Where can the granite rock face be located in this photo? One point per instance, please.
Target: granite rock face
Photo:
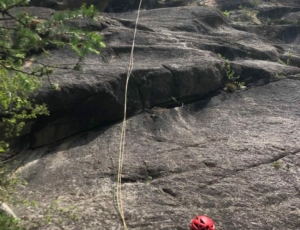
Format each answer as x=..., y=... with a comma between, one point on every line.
x=111, y=5
x=191, y=147
x=129, y=5
x=234, y=157
x=176, y=61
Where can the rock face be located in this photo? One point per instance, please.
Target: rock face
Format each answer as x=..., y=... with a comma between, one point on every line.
x=232, y=157
x=176, y=61
x=191, y=148
x=129, y=5
x=111, y=5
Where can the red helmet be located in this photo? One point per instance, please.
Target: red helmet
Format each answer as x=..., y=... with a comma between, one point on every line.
x=202, y=223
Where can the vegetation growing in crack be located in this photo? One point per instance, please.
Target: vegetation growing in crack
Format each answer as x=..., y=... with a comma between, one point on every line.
x=227, y=13
x=276, y=165
x=288, y=60
x=277, y=76
x=251, y=13
x=149, y=179
x=176, y=101
x=23, y=36
x=233, y=81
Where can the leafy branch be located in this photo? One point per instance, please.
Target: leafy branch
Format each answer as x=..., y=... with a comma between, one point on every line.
x=22, y=36
x=28, y=35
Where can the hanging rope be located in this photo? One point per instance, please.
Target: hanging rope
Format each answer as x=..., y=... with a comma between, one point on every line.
x=123, y=132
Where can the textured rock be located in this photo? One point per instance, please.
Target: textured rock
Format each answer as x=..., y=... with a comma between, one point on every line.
x=234, y=157
x=110, y=5
x=175, y=62
x=129, y=5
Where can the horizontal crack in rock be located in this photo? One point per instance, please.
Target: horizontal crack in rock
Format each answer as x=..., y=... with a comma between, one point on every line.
x=270, y=161
x=169, y=191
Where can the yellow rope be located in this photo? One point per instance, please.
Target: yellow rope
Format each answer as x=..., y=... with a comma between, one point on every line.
x=123, y=132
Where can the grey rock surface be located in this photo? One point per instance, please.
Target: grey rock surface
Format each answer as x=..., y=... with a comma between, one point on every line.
x=175, y=61
x=111, y=5
x=232, y=157
x=191, y=148
x=129, y=5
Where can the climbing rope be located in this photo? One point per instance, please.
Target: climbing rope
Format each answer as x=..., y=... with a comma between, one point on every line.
x=123, y=132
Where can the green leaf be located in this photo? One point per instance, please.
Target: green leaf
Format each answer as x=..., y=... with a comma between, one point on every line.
x=2, y=6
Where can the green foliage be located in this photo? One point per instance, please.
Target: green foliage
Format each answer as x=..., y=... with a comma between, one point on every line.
x=149, y=179
x=9, y=223
x=15, y=103
x=21, y=37
x=282, y=62
x=276, y=165
x=31, y=35
x=290, y=56
x=248, y=12
x=175, y=100
x=277, y=76
x=3, y=146
x=7, y=191
x=233, y=81
x=8, y=184
x=227, y=13
x=288, y=60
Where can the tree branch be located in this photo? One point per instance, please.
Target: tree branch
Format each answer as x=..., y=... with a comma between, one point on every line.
x=13, y=5
x=5, y=208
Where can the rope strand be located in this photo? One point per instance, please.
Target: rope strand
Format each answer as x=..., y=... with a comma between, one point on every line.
x=123, y=132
